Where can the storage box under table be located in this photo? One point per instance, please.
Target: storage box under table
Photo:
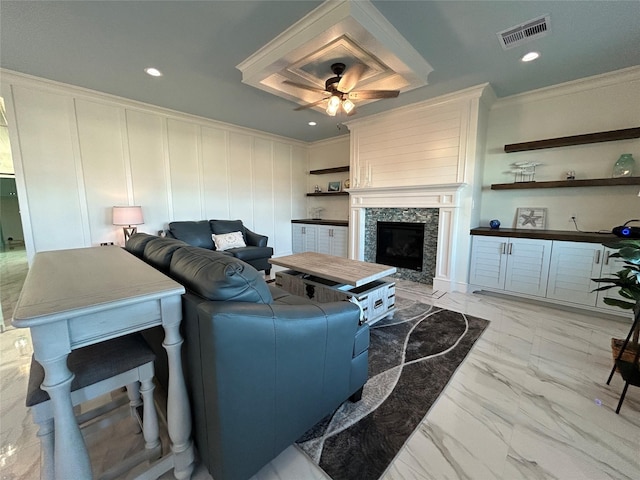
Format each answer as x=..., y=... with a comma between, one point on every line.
x=376, y=298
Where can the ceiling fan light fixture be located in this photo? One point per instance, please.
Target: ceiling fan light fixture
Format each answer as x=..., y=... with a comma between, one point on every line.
x=333, y=105
x=348, y=105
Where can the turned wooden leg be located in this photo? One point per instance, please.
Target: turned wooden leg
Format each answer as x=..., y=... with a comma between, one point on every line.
x=150, y=417
x=71, y=456
x=133, y=392
x=178, y=412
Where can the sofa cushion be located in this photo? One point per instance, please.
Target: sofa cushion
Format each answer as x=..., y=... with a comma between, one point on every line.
x=218, y=277
x=159, y=251
x=194, y=233
x=137, y=242
x=225, y=241
x=251, y=253
x=227, y=226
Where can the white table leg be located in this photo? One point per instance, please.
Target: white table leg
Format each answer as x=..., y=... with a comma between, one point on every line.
x=178, y=412
x=71, y=456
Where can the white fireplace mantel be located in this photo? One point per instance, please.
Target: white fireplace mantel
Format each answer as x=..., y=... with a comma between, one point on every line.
x=445, y=198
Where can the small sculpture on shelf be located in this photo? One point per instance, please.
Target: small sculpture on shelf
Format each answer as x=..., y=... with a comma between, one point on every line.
x=317, y=189
x=315, y=212
x=524, y=171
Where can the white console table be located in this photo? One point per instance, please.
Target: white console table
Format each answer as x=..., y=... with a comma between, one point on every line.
x=74, y=298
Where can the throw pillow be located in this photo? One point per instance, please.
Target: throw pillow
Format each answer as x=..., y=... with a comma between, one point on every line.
x=225, y=241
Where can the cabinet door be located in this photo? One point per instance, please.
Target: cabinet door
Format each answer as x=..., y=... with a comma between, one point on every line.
x=304, y=238
x=573, y=265
x=339, y=243
x=323, y=244
x=527, y=266
x=297, y=244
x=488, y=262
x=310, y=238
x=609, y=267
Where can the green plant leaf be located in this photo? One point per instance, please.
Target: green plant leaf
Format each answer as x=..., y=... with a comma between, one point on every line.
x=619, y=303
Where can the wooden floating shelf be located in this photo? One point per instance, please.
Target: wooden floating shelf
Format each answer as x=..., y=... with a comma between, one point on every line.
x=324, y=171
x=598, y=137
x=327, y=194
x=595, y=182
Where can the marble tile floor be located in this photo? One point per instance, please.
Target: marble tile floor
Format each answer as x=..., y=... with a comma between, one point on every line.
x=13, y=271
x=530, y=402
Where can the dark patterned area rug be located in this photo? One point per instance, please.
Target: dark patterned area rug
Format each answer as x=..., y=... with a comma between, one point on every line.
x=411, y=359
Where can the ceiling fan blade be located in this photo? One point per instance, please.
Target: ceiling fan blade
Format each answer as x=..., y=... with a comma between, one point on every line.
x=351, y=77
x=306, y=87
x=369, y=94
x=309, y=105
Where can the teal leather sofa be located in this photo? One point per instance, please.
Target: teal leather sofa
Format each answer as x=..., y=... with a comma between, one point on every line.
x=198, y=233
x=262, y=366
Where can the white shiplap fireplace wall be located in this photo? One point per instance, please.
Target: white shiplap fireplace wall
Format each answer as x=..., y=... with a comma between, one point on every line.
x=426, y=155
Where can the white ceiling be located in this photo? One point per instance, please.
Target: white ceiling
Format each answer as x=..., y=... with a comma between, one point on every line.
x=104, y=45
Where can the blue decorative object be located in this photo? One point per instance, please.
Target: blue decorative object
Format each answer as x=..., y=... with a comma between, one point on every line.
x=494, y=224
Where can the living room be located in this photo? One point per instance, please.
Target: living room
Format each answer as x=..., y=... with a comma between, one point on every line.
x=79, y=151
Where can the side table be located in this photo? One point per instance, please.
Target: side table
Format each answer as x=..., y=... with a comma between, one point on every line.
x=74, y=298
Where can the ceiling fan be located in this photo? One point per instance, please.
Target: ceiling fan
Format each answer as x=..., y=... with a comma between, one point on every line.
x=340, y=90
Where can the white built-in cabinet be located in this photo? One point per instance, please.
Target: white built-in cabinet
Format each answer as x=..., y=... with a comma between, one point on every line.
x=573, y=265
x=328, y=239
x=518, y=265
x=558, y=271
x=332, y=240
x=305, y=238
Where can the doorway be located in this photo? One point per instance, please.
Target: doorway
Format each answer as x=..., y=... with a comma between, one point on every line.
x=13, y=256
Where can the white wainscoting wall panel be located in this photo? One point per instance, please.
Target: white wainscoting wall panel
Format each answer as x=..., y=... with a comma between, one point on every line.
x=79, y=152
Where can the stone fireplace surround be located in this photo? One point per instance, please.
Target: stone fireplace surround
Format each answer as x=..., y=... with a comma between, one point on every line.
x=428, y=216
x=451, y=221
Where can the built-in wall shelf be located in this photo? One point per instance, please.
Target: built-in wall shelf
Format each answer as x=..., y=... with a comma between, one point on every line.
x=327, y=194
x=610, y=136
x=594, y=182
x=324, y=171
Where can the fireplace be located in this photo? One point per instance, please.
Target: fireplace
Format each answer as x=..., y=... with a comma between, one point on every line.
x=403, y=219
x=400, y=244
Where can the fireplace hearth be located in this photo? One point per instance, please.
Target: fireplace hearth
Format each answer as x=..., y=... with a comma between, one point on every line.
x=400, y=244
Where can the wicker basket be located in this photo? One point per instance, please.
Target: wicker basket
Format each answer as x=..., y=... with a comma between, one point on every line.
x=629, y=352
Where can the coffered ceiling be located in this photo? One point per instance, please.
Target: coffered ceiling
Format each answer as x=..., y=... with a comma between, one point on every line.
x=199, y=45
x=351, y=33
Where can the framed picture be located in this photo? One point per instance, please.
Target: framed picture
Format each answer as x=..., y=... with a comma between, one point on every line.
x=531, y=217
x=334, y=186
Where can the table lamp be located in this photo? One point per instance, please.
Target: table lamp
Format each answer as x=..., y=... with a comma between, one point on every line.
x=128, y=216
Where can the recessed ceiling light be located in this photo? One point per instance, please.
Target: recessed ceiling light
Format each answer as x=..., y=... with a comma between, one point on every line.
x=531, y=56
x=154, y=72
x=313, y=124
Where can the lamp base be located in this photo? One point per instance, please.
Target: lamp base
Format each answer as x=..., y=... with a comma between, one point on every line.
x=128, y=231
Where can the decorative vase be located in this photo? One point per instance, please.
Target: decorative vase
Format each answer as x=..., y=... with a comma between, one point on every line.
x=494, y=224
x=624, y=166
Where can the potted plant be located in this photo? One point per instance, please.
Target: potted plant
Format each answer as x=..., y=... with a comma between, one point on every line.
x=627, y=281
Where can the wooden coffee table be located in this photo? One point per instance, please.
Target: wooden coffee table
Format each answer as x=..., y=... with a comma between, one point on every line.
x=326, y=278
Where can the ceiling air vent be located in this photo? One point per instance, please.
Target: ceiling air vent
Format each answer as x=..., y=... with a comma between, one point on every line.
x=520, y=34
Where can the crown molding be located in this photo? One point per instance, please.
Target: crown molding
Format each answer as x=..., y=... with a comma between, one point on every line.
x=330, y=141
x=567, y=88
x=12, y=78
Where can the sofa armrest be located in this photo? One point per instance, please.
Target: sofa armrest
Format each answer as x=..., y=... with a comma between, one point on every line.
x=255, y=239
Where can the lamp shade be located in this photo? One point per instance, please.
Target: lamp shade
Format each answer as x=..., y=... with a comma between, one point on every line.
x=127, y=216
